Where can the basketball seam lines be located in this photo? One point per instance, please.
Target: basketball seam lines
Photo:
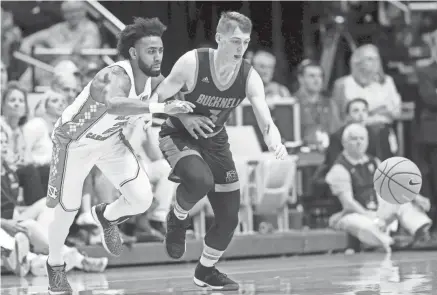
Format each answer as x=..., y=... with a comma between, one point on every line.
x=394, y=197
x=382, y=172
x=400, y=183
x=385, y=175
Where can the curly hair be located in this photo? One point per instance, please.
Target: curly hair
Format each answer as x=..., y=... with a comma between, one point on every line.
x=141, y=27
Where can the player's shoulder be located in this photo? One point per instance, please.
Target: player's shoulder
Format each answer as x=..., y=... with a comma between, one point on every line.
x=155, y=81
x=111, y=73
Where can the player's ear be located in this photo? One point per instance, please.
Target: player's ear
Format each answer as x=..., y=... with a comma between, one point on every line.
x=133, y=53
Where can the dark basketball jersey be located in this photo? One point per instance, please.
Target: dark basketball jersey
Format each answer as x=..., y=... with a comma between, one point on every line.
x=212, y=99
x=362, y=180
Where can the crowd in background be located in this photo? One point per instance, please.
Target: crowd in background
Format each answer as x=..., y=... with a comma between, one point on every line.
x=353, y=121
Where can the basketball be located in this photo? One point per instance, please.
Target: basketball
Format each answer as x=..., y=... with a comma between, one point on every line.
x=397, y=180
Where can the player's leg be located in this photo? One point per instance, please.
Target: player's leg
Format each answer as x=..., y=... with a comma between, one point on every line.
x=70, y=165
x=196, y=180
x=122, y=168
x=225, y=202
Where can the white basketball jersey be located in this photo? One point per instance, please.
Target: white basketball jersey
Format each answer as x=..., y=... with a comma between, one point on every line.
x=87, y=120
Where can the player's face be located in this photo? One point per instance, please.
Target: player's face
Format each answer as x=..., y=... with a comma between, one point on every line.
x=150, y=51
x=312, y=79
x=358, y=112
x=56, y=105
x=233, y=45
x=15, y=104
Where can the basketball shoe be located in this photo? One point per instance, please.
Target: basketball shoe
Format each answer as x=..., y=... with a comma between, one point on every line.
x=211, y=277
x=111, y=239
x=175, y=237
x=58, y=282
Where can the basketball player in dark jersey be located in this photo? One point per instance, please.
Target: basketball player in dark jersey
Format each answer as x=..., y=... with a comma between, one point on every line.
x=197, y=148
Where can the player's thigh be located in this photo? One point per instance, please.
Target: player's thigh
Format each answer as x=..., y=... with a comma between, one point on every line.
x=70, y=165
x=223, y=169
x=175, y=147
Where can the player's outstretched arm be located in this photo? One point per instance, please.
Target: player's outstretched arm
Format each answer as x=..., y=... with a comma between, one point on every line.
x=256, y=95
x=178, y=77
x=111, y=87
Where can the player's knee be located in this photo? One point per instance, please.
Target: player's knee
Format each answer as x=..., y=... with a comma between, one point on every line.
x=195, y=174
x=138, y=193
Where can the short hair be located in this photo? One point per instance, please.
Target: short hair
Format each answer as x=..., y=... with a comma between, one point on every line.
x=358, y=99
x=352, y=129
x=229, y=20
x=303, y=65
x=141, y=27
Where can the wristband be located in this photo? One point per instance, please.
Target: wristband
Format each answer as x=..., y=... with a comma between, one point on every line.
x=156, y=107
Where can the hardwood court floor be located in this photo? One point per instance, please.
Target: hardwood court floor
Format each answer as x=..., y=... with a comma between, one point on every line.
x=360, y=274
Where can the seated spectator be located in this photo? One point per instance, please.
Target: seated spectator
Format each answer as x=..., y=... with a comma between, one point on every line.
x=365, y=215
x=357, y=111
x=318, y=113
x=44, y=78
x=76, y=32
x=14, y=114
x=367, y=80
x=33, y=221
x=38, y=130
x=67, y=84
x=264, y=63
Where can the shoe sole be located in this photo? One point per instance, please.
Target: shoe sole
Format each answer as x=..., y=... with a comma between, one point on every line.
x=202, y=284
x=102, y=234
x=169, y=255
x=60, y=293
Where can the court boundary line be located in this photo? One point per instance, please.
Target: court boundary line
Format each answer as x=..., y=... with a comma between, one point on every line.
x=321, y=266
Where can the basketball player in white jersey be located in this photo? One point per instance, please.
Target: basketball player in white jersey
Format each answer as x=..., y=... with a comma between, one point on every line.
x=89, y=133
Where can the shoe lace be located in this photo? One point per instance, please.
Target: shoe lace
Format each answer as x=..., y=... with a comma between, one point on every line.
x=220, y=275
x=59, y=277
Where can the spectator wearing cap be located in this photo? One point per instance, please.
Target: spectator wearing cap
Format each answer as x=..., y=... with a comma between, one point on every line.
x=318, y=113
x=265, y=63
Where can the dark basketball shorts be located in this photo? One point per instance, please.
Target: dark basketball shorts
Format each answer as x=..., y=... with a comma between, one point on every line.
x=176, y=144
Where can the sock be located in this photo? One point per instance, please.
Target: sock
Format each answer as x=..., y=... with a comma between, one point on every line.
x=72, y=257
x=58, y=232
x=180, y=212
x=210, y=256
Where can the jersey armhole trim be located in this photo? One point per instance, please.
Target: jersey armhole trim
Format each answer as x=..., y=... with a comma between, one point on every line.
x=247, y=79
x=196, y=75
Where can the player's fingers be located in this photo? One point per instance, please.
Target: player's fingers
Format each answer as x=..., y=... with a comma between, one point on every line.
x=208, y=121
x=200, y=131
x=192, y=105
x=192, y=133
x=186, y=108
x=205, y=126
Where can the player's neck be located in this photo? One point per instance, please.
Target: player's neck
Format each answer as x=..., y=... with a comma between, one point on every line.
x=139, y=78
x=221, y=65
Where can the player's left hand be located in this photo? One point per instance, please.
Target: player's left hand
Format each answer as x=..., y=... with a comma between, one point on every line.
x=280, y=151
x=178, y=107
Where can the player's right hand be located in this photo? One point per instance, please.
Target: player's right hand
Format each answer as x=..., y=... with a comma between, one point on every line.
x=197, y=124
x=178, y=107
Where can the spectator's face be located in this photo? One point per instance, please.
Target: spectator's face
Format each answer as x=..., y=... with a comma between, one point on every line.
x=15, y=104
x=73, y=12
x=67, y=85
x=4, y=76
x=358, y=112
x=55, y=105
x=232, y=45
x=357, y=142
x=369, y=61
x=312, y=79
x=264, y=64
x=149, y=53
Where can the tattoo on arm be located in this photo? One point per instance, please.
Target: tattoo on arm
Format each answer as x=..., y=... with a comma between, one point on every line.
x=109, y=83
